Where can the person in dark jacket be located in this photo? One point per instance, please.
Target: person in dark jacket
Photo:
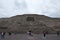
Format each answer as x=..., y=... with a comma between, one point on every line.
x=2, y=35
x=44, y=33
x=30, y=33
x=57, y=33
x=9, y=33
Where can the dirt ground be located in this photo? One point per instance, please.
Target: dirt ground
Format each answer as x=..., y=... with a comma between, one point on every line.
x=34, y=37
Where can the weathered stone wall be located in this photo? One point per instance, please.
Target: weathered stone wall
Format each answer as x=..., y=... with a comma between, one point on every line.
x=36, y=23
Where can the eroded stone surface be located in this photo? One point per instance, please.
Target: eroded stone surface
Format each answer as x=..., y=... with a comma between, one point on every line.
x=24, y=23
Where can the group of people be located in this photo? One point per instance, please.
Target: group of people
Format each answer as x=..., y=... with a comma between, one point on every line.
x=44, y=33
x=2, y=34
x=30, y=33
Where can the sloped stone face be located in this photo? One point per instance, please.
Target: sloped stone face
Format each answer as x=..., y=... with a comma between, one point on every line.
x=24, y=23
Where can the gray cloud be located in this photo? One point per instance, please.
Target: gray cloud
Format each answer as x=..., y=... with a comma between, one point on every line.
x=45, y=7
x=10, y=8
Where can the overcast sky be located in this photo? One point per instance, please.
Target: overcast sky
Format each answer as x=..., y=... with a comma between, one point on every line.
x=10, y=8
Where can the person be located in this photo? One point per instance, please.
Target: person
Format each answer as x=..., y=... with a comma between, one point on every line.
x=57, y=33
x=2, y=35
x=9, y=33
x=44, y=34
x=30, y=33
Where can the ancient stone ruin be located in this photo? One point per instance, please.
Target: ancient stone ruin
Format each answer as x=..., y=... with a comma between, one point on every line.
x=35, y=23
